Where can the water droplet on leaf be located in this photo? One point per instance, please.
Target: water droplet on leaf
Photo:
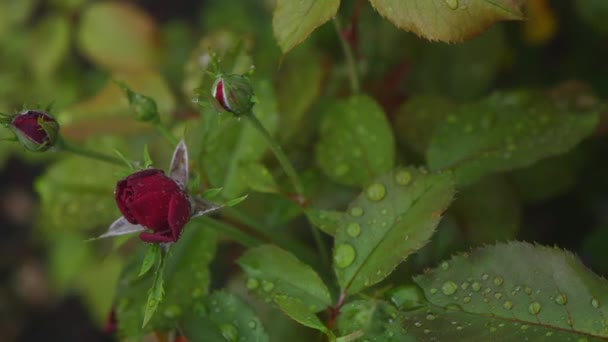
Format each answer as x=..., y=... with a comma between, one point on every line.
x=595, y=303
x=403, y=177
x=252, y=283
x=534, y=308
x=267, y=286
x=353, y=229
x=507, y=305
x=561, y=299
x=449, y=288
x=452, y=4
x=356, y=211
x=375, y=192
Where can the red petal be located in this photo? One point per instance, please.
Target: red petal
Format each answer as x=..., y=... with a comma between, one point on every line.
x=156, y=237
x=219, y=95
x=179, y=213
x=150, y=210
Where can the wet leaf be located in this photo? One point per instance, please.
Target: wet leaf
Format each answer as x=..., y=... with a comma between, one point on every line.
x=447, y=20
x=356, y=142
x=222, y=316
x=512, y=291
x=275, y=272
x=325, y=220
x=394, y=217
x=506, y=131
x=299, y=312
x=258, y=178
x=119, y=36
x=294, y=21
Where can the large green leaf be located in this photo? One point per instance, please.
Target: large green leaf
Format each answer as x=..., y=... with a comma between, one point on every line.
x=119, y=36
x=222, y=316
x=507, y=130
x=512, y=292
x=447, y=20
x=274, y=272
x=186, y=280
x=293, y=21
x=394, y=217
x=356, y=142
x=231, y=146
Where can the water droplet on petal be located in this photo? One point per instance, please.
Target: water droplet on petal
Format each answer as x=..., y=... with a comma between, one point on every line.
x=353, y=229
x=403, y=177
x=356, y=211
x=375, y=192
x=344, y=255
x=449, y=288
x=534, y=308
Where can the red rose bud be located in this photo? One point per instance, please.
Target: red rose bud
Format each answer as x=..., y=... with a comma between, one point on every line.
x=111, y=323
x=36, y=131
x=234, y=93
x=155, y=201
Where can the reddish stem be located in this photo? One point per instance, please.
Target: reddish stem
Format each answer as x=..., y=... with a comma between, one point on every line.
x=335, y=311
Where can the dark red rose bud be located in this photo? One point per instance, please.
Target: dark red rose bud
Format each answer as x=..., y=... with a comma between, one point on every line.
x=234, y=93
x=155, y=201
x=35, y=130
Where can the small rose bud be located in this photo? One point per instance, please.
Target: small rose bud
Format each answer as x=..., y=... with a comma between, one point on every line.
x=36, y=131
x=234, y=93
x=144, y=106
x=155, y=201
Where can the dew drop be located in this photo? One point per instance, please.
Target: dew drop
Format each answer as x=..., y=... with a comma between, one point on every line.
x=356, y=211
x=459, y=328
x=466, y=299
x=252, y=283
x=252, y=324
x=534, y=308
x=549, y=333
x=430, y=317
x=427, y=331
x=595, y=303
x=344, y=255
x=445, y=266
x=229, y=332
x=476, y=286
x=403, y=177
x=528, y=290
x=375, y=192
x=485, y=277
x=433, y=290
x=353, y=229
x=417, y=324
x=524, y=327
x=498, y=295
x=507, y=305
x=498, y=281
x=561, y=299
x=449, y=288
x=267, y=286
x=492, y=329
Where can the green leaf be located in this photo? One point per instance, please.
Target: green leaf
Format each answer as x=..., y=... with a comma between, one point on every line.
x=301, y=313
x=275, y=272
x=155, y=295
x=294, y=21
x=506, y=131
x=417, y=120
x=327, y=221
x=512, y=291
x=447, y=20
x=235, y=201
x=488, y=211
x=394, y=217
x=222, y=316
x=119, y=36
x=258, y=178
x=356, y=142
x=186, y=279
x=152, y=254
x=374, y=318
x=229, y=145
x=51, y=42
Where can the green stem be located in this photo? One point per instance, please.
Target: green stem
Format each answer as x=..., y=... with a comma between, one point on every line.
x=350, y=58
x=63, y=145
x=278, y=152
x=233, y=233
x=291, y=173
x=167, y=134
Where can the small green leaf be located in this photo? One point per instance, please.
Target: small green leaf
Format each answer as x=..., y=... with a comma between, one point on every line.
x=156, y=292
x=152, y=254
x=258, y=178
x=394, y=217
x=512, y=291
x=293, y=21
x=274, y=272
x=226, y=316
x=299, y=312
x=147, y=158
x=447, y=20
x=374, y=318
x=356, y=141
x=327, y=221
x=235, y=201
x=506, y=131
x=212, y=193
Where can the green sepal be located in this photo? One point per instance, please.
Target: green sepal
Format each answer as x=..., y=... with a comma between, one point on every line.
x=144, y=106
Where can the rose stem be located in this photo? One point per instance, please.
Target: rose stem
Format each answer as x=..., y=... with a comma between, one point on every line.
x=291, y=173
x=167, y=134
x=235, y=234
x=63, y=145
x=350, y=58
